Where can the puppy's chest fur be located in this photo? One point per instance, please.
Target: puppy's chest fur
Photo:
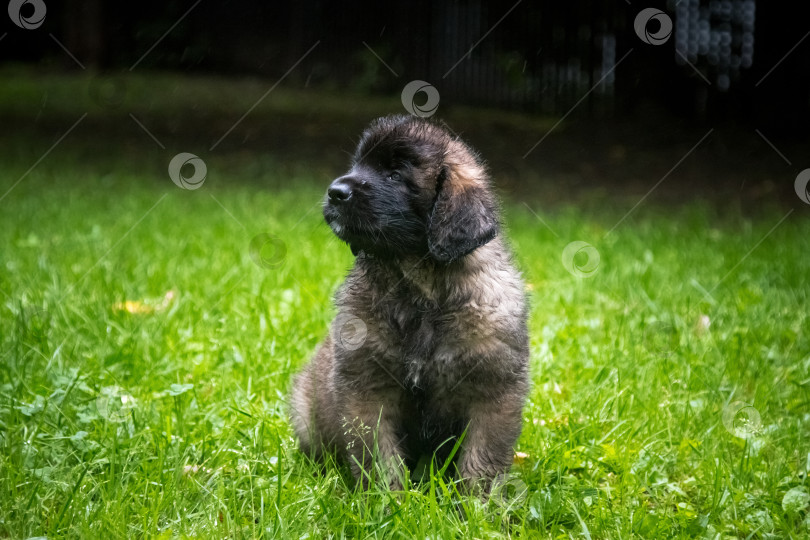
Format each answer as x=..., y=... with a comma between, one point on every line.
x=440, y=330
x=418, y=329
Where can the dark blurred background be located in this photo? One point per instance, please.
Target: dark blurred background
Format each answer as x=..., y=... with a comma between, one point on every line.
x=739, y=67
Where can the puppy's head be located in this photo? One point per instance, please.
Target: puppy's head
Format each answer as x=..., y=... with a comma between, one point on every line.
x=413, y=189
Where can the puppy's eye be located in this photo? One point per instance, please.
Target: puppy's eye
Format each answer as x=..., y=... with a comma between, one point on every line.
x=394, y=176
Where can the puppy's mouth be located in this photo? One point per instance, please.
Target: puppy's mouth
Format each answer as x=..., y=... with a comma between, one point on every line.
x=344, y=227
x=340, y=230
x=351, y=234
x=375, y=234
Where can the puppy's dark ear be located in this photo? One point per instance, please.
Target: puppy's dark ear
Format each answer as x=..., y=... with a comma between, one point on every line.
x=464, y=215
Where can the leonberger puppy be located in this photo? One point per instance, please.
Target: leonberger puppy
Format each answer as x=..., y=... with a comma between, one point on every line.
x=429, y=346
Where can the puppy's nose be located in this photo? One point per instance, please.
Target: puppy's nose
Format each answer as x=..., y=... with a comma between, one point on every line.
x=340, y=190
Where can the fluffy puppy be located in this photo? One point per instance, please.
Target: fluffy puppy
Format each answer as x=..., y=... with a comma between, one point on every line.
x=430, y=342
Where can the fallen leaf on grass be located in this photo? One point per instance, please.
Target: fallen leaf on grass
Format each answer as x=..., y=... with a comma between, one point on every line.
x=520, y=457
x=140, y=307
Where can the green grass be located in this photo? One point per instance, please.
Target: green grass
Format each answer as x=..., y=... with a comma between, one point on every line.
x=171, y=421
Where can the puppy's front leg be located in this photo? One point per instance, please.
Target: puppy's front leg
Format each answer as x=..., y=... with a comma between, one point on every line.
x=487, y=449
x=370, y=424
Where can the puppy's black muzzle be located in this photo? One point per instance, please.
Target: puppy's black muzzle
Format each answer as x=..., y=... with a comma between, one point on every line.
x=341, y=190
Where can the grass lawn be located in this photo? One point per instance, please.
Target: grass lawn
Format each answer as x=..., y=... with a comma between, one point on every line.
x=148, y=336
